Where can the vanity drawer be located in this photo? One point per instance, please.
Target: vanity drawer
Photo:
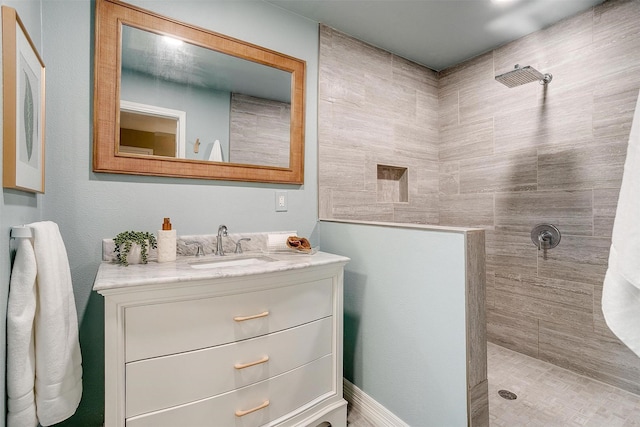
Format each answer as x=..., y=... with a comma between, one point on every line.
x=180, y=326
x=284, y=393
x=173, y=380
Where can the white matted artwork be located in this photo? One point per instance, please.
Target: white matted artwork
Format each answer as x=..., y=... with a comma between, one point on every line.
x=23, y=107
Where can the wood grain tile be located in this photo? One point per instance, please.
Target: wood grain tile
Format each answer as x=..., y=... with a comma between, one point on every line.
x=582, y=166
x=513, y=331
x=466, y=140
x=565, y=120
x=475, y=308
x=598, y=357
x=511, y=254
x=577, y=258
x=570, y=211
x=449, y=178
x=605, y=202
x=469, y=210
x=613, y=112
x=512, y=171
x=552, y=300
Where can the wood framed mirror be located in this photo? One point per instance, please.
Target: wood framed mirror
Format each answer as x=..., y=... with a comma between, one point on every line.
x=256, y=96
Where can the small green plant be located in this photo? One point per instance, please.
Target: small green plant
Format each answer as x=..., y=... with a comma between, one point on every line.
x=124, y=240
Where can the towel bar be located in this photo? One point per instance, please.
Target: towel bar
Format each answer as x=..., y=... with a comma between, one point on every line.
x=21, y=232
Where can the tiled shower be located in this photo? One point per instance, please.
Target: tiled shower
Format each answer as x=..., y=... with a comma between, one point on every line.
x=464, y=150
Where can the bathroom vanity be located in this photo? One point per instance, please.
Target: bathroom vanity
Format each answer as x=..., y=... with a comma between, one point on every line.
x=249, y=341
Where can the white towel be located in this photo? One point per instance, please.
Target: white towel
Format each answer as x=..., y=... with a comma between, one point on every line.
x=216, y=152
x=21, y=362
x=58, y=363
x=621, y=293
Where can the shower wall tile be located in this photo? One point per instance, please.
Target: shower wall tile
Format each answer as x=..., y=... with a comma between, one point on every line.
x=448, y=107
x=612, y=112
x=488, y=100
x=603, y=358
x=599, y=324
x=449, y=178
x=605, y=201
x=570, y=211
x=616, y=37
x=359, y=205
x=375, y=108
x=342, y=167
x=593, y=165
x=469, y=210
x=577, y=258
x=511, y=254
x=550, y=300
x=567, y=119
x=513, y=171
x=466, y=140
x=514, y=331
x=423, y=209
x=469, y=74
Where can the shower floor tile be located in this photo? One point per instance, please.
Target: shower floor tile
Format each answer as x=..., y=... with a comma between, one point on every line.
x=550, y=396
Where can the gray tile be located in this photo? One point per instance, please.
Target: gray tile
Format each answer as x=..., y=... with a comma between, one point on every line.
x=576, y=258
x=511, y=254
x=602, y=358
x=466, y=140
x=467, y=210
x=514, y=331
x=567, y=119
x=546, y=299
x=605, y=202
x=449, y=178
x=572, y=167
x=512, y=171
x=613, y=111
x=570, y=211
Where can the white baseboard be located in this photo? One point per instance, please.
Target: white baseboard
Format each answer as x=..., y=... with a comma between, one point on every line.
x=369, y=408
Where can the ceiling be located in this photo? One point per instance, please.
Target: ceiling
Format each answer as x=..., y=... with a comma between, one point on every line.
x=436, y=33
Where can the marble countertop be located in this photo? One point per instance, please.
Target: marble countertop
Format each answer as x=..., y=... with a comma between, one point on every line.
x=112, y=276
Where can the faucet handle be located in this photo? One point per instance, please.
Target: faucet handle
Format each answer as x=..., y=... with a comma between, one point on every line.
x=239, y=244
x=200, y=248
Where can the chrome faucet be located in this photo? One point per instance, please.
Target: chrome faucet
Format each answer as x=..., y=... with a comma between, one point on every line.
x=222, y=232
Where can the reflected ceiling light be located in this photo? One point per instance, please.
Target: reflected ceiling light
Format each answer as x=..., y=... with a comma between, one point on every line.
x=502, y=2
x=171, y=41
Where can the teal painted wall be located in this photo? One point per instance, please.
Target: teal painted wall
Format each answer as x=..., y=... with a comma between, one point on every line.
x=404, y=319
x=89, y=207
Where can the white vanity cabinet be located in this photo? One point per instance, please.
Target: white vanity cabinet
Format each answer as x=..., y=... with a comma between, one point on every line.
x=236, y=348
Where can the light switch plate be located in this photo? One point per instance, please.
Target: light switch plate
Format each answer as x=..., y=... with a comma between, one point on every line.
x=281, y=201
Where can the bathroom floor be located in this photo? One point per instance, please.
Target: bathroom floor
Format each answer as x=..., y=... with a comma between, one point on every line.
x=550, y=396
x=547, y=396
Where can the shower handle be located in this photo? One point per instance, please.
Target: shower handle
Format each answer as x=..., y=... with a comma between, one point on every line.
x=545, y=236
x=544, y=240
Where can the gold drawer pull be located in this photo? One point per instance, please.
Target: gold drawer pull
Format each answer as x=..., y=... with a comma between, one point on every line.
x=247, y=365
x=248, y=411
x=255, y=316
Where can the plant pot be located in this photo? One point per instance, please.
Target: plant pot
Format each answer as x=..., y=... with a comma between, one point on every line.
x=135, y=253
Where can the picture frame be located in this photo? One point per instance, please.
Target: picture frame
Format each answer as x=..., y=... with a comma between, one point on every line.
x=23, y=100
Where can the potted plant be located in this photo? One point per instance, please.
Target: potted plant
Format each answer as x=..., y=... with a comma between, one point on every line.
x=128, y=244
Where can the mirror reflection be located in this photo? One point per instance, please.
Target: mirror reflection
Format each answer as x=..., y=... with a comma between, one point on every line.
x=181, y=100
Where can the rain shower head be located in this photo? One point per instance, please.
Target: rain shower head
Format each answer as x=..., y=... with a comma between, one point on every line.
x=522, y=75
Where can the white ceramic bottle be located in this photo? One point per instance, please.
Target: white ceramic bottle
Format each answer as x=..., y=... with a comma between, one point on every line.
x=166, y=242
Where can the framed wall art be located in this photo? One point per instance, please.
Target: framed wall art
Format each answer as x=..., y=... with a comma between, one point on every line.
x=23, y=98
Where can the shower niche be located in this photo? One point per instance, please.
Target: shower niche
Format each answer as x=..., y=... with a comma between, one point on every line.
x=393, y=184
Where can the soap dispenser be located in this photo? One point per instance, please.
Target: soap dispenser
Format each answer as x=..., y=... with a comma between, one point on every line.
x=166, y=242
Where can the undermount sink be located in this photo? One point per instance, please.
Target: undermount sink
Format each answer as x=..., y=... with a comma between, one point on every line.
x=234, y=262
